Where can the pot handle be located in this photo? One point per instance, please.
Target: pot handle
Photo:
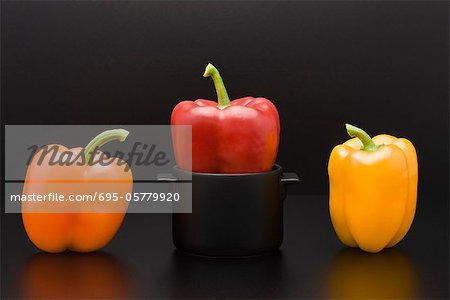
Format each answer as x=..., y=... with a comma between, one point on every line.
x=287, y=178
x=166, y=177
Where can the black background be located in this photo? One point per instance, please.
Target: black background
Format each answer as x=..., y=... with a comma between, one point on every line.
x=382, y=66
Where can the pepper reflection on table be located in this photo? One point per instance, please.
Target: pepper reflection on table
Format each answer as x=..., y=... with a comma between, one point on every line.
x=72, y=275
x=355, y=274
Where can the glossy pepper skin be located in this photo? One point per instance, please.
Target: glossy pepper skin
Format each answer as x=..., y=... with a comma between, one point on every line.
x=84, y=226
x=239, y=136
x=373, y=190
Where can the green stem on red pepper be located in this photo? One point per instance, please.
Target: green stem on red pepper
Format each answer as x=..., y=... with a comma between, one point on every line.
x=222, y=95
x=368, y=144
x=101, y=139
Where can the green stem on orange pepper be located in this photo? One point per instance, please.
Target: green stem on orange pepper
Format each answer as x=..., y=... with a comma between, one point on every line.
x=101, y=139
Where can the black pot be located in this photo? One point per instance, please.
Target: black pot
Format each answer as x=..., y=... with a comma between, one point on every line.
x=233, y=214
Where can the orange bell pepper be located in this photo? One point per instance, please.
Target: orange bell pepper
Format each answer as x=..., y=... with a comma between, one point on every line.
x=55, y=226
x=373, y=189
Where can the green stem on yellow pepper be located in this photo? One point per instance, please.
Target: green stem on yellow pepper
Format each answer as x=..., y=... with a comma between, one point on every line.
x=101, y=139
x=368, y=144
x=222, y=95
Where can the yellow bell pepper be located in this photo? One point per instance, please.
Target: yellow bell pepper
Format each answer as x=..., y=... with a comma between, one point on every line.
x=373, y=189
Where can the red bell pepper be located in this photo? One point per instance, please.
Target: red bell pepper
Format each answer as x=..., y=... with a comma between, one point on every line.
x=239, y=136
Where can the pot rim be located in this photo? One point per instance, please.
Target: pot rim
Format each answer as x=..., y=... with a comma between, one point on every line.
x=275, y=169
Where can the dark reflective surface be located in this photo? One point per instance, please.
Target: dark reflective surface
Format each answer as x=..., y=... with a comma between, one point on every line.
x=354, y=274
x=241, y=277
x=74, y=276
x=141, y=262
